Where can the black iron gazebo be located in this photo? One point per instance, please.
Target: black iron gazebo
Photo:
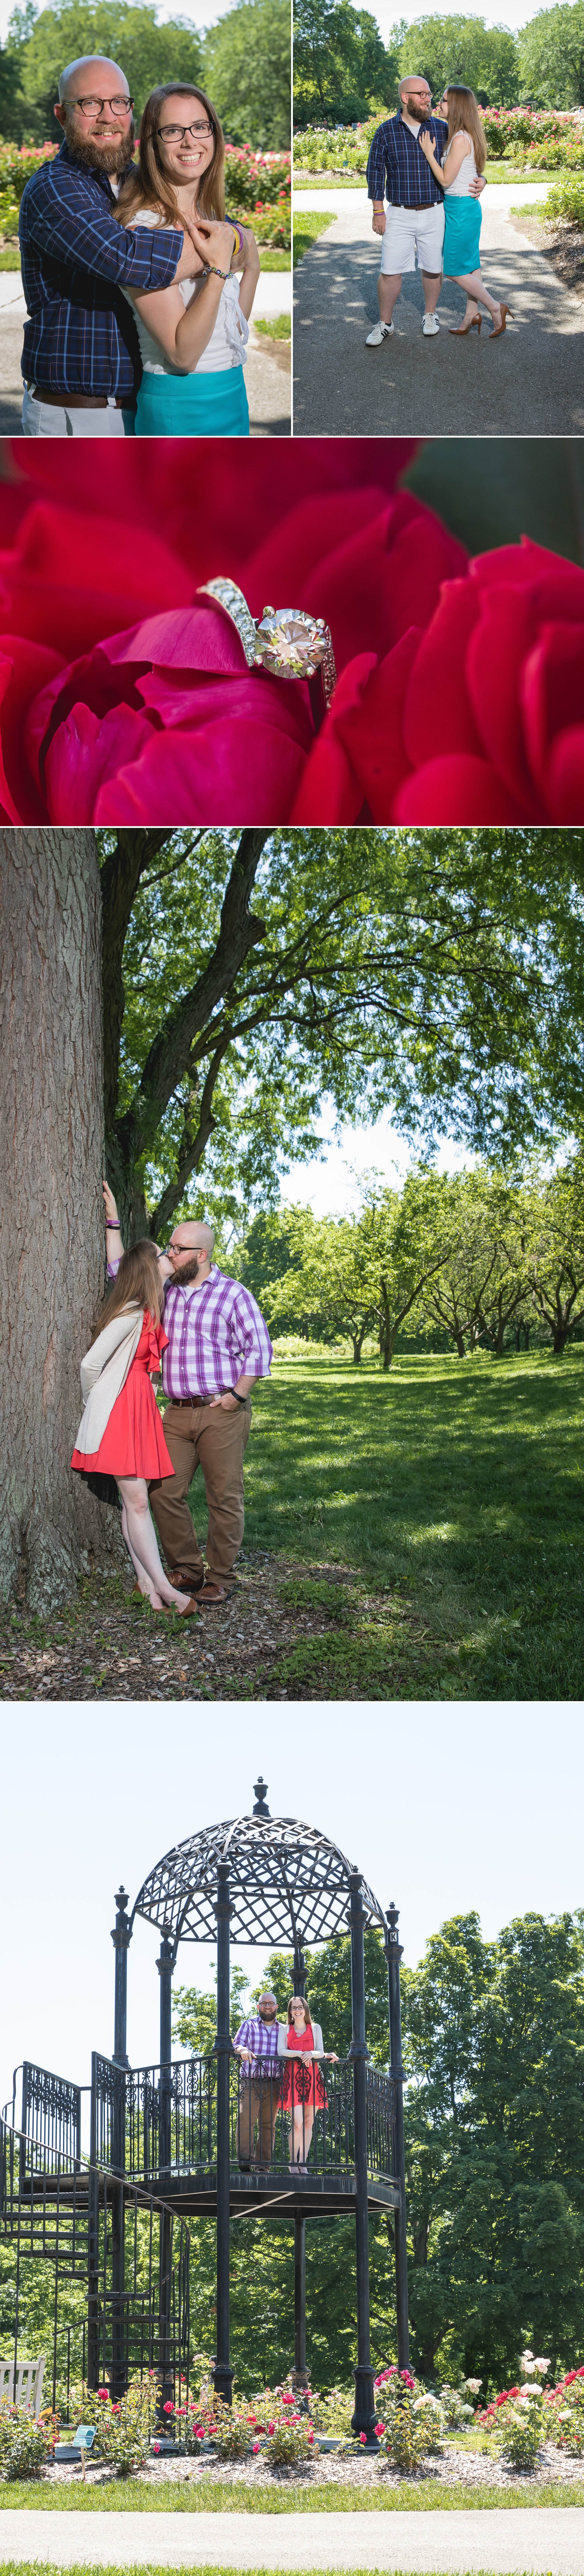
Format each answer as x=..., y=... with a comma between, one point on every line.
x=263, y=1880
x=165, y=2139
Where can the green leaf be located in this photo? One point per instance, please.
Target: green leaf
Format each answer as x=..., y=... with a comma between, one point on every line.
x=493, y=491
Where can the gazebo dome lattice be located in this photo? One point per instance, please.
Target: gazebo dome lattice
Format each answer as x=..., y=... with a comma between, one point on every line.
x=287, y=1883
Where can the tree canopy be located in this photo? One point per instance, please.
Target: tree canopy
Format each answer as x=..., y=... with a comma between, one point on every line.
x=247, y=73
x=244, y=61
x=463, y=49
x=249, y=977
x=342, y=69
x=551, y=55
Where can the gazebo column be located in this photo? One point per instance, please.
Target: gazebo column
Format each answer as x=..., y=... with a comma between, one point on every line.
x=165, y=1966
x=300, y=2373
x=121, y=1937
x=393, y=1953
x=363, y=2419
x=222, y=2372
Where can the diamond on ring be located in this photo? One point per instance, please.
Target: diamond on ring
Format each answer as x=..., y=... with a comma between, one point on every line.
x=285, y=642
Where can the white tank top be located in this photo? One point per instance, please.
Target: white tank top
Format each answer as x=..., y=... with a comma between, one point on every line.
x=459, y=187
x=227, y=344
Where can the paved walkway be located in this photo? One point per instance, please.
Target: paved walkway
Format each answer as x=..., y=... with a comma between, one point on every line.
x=532, y=385
x=549, y=2542
x=267, y=371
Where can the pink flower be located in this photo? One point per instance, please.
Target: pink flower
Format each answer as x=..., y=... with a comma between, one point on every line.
x=168, y=2408
x=271, y=2428
x=156, y=2446
x=255, y=2446
x=310, y=2437
x=103, y=2392
x=362, y=2437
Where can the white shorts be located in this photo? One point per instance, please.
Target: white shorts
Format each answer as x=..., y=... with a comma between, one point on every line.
x=409, y=229
x=47, y=420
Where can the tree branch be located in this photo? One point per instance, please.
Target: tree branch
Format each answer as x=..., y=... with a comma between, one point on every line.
x=120, y=877
x=193, y=1143
x=169, y=1055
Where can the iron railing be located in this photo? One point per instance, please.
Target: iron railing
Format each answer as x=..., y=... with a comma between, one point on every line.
x=156, y=2124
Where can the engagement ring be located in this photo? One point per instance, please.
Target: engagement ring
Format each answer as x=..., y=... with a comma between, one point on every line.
x=284, y=641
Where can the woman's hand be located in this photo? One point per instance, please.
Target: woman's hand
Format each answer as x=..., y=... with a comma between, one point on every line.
x=110, y=1205
x=428, y=146
x=214, y=242
x=331, y=2057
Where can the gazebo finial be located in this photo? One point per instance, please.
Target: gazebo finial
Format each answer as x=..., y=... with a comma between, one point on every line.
x=261, y=1808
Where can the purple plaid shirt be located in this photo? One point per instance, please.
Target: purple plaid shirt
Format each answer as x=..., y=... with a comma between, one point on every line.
x=262, y=2038
x=215, y=1335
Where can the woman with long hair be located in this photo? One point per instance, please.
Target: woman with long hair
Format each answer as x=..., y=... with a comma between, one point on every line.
x=300, y=2046
x=192, y=336
x=120, y=1435
x=463, y=160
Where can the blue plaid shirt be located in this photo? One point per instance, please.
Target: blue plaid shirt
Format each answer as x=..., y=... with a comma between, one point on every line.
x=80, y=336
x=396, y=168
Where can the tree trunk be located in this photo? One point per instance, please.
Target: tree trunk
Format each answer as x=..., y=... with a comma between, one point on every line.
x=358, y=1340
x=388, y=1331
x=52, y=1236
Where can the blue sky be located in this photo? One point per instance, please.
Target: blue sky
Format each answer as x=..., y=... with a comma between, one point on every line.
x=445, y=1808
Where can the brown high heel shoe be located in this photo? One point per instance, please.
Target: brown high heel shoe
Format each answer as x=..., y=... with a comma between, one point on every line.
x=458, y=330
x=502, y=325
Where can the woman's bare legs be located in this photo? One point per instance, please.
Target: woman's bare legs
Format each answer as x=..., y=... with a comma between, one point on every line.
x=141, y=1540
x=301, y=2132
x=477, y=293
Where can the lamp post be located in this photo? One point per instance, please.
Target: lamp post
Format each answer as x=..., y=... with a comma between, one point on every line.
x=165, y=1964
x=363, y=2419
x=222, y=2372
x=393, y=1953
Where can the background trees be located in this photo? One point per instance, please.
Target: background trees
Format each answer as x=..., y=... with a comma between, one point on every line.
x=342, y=69
x=463, y=49
x=244, y=61
x=551, y=55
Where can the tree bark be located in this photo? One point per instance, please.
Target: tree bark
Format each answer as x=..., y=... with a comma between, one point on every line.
x=51, y=1227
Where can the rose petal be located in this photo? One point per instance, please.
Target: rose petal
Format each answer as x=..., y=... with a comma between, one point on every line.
x=330, y=791
x=552, y=694
x=565, y=777
x=437, y=714
x=191, y=639
x=84, y=750
x=25, y=665
x=75, y=578
x=496, y=652
x=206, y=777
x=457, y=789
x=374, y=731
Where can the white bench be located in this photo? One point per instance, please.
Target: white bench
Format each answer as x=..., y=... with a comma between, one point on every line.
x=29, y=2382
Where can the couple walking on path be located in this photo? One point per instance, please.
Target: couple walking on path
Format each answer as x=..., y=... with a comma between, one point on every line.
x=430, y=170
x=178, y=1310
x=139, y=290
x=282, y=2072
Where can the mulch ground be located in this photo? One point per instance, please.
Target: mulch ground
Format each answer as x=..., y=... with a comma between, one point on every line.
x=562, y=245
x=454, y=2465
x=286, y=1632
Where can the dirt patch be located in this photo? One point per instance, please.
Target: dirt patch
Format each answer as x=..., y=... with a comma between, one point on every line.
x=562, y=246
x=288, y=1631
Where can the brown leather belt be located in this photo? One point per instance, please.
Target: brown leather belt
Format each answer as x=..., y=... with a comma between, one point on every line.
x=79, y=402
x=188, y=1399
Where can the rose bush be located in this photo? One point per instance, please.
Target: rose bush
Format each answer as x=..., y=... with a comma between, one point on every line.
x=125, y=699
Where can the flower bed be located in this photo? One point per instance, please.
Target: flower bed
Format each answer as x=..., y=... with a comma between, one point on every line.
x=528, y=139
x=565, y=203
x=257, y=188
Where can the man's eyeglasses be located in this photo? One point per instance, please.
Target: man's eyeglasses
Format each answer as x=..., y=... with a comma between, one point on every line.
x=95, y=106
x=172, y=133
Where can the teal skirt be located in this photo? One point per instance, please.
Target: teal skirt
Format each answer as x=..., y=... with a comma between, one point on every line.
x=462, y=237
x=198, y=406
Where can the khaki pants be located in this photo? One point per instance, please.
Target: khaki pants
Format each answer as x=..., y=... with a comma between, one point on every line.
x=203, y=1436
x=265, y=2114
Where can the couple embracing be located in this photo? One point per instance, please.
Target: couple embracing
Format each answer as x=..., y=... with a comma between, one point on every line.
x=176, y=1310
x=430, y=170
x=138, y=288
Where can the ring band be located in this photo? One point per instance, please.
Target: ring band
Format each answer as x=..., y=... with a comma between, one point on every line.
x=285, y=641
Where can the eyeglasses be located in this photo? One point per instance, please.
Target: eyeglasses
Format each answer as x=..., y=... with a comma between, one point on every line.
x=95, y=106
x=171, y=133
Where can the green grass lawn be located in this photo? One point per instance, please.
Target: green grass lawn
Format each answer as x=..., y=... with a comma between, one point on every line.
x=126, y=2495
x=451, y=1490
x=276, y=326
x=305, y=230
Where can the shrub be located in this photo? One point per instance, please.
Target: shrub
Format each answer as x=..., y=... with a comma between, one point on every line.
x=25, y=2445
x=123, y=2426
x=289, y=2431
x=520, y=2433
x=565, y=203
x=405, y=2441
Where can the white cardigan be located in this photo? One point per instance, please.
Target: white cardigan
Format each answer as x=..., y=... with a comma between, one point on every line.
x=285, y=2051
x=103, y=1374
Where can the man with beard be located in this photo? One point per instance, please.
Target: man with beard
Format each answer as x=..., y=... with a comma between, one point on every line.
x=217, y=1344
x=397, y=170
x=80, y=361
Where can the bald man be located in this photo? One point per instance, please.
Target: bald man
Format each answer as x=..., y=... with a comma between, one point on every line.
x=81, y=361
x=217, y=1344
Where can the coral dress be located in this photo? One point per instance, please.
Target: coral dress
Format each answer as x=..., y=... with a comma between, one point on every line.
x=303, y=2083
x=133, y=1442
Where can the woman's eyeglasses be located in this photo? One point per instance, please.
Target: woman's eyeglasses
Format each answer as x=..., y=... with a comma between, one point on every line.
x=172, y=133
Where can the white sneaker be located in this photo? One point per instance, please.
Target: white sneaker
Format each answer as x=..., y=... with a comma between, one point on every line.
x=381, y=331
x=430, y=326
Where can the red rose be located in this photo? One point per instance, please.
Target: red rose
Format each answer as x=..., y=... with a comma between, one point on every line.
x=475, y=716
x=87, y=735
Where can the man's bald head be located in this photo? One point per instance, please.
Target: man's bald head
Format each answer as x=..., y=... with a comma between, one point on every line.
x=190, y=1249
x=415, y=94
x=91, y=64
